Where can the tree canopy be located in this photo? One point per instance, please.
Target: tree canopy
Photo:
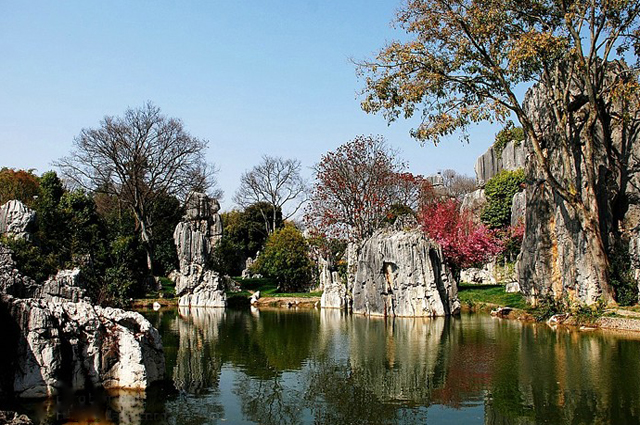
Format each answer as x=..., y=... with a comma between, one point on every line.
x=465, y=61
x=139, y=158
x=356, y=185
x=275, y=182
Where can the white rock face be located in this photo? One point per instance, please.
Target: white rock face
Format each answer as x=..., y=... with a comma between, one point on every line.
x=335, y=296
x=491, y=163
x=195, y=237
x=16, y=220
x=512, y=287
x=473, y=203
x=54, y=340
x=209, y=292
x=64, y=286
x=401, y=273
x=479, y=276
x=72, y=345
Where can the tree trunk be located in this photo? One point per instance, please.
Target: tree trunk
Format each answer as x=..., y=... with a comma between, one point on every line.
x=146, y=241
x=596, y=248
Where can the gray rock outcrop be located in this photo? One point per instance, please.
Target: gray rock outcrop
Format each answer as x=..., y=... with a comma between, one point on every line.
x=479, y=275
x=54, y=340
x=16, y=220
x=518, y=208
x=490, y=163
x=195, y=237
x=473, y=203
x=66, y=285
x=198, y=232
x=13, y=418
x=401, y=273
x=77, y=345
x=555, y=257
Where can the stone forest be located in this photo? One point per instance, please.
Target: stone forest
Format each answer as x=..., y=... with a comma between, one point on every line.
x=366, y=293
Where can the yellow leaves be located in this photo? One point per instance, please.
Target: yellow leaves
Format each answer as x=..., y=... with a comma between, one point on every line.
x=533, y=47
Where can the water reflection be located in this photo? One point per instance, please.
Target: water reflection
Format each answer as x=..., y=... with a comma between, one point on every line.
x=326, y=367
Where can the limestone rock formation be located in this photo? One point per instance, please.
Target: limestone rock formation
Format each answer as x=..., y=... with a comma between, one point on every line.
x=554, y=259
x=12, y=282
x=66, y=285
x=489, y=164
x=195, y=238
x=473, y=203
x=518, y=208
x=77, y=345
x=401, y=273
x=16, y=220
x=479, y=276
x=208, y=290
x=13, y=418
x=335, y=296
x=198, y=232
x=55, y=341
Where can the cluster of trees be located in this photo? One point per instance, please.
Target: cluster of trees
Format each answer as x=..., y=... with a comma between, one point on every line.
x=127, y=178
x=93, y=231
x=462, y=62
x=125, y=185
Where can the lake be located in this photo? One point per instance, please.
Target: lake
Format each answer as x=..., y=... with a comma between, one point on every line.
x=328, y=367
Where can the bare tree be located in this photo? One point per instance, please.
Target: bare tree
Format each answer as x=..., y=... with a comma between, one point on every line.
x=138, y=157
x=456, y=184
x=277, y=182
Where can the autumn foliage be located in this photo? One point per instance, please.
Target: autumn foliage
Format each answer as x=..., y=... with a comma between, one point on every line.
x=357, y=184
x=18, y=184
x=464, y=243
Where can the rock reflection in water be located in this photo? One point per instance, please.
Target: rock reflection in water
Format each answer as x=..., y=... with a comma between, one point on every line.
x=325, y=367
x=197, y=366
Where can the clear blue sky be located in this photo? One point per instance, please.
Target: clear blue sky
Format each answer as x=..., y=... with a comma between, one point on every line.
x=252, y=77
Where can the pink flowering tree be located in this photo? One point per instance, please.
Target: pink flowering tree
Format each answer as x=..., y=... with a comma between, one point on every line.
x=464, y=243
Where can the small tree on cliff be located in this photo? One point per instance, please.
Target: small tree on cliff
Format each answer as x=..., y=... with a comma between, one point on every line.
x=138, y=157
x=356, y=185
x=465, y=59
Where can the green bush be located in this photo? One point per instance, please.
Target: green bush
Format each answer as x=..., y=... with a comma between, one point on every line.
x=620, y=274
x=286, y=259
x=510, y=133
x=499, y=192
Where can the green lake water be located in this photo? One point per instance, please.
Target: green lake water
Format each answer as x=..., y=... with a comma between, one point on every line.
x=327, y=367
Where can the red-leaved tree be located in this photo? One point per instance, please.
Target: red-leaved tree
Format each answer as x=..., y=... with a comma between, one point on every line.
x=464, y=243
x=357, y=185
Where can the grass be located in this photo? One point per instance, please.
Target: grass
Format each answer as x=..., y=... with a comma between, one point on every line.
x=268, y=288
x=490, y=294
x=168, y=290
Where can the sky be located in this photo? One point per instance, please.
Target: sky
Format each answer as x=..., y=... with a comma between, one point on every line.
x=252, y=77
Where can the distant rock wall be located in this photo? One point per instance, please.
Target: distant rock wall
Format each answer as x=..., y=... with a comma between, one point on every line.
x=401, y=273
x=489, y=164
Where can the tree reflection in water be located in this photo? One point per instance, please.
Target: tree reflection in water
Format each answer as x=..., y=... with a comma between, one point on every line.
x=325, y=367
